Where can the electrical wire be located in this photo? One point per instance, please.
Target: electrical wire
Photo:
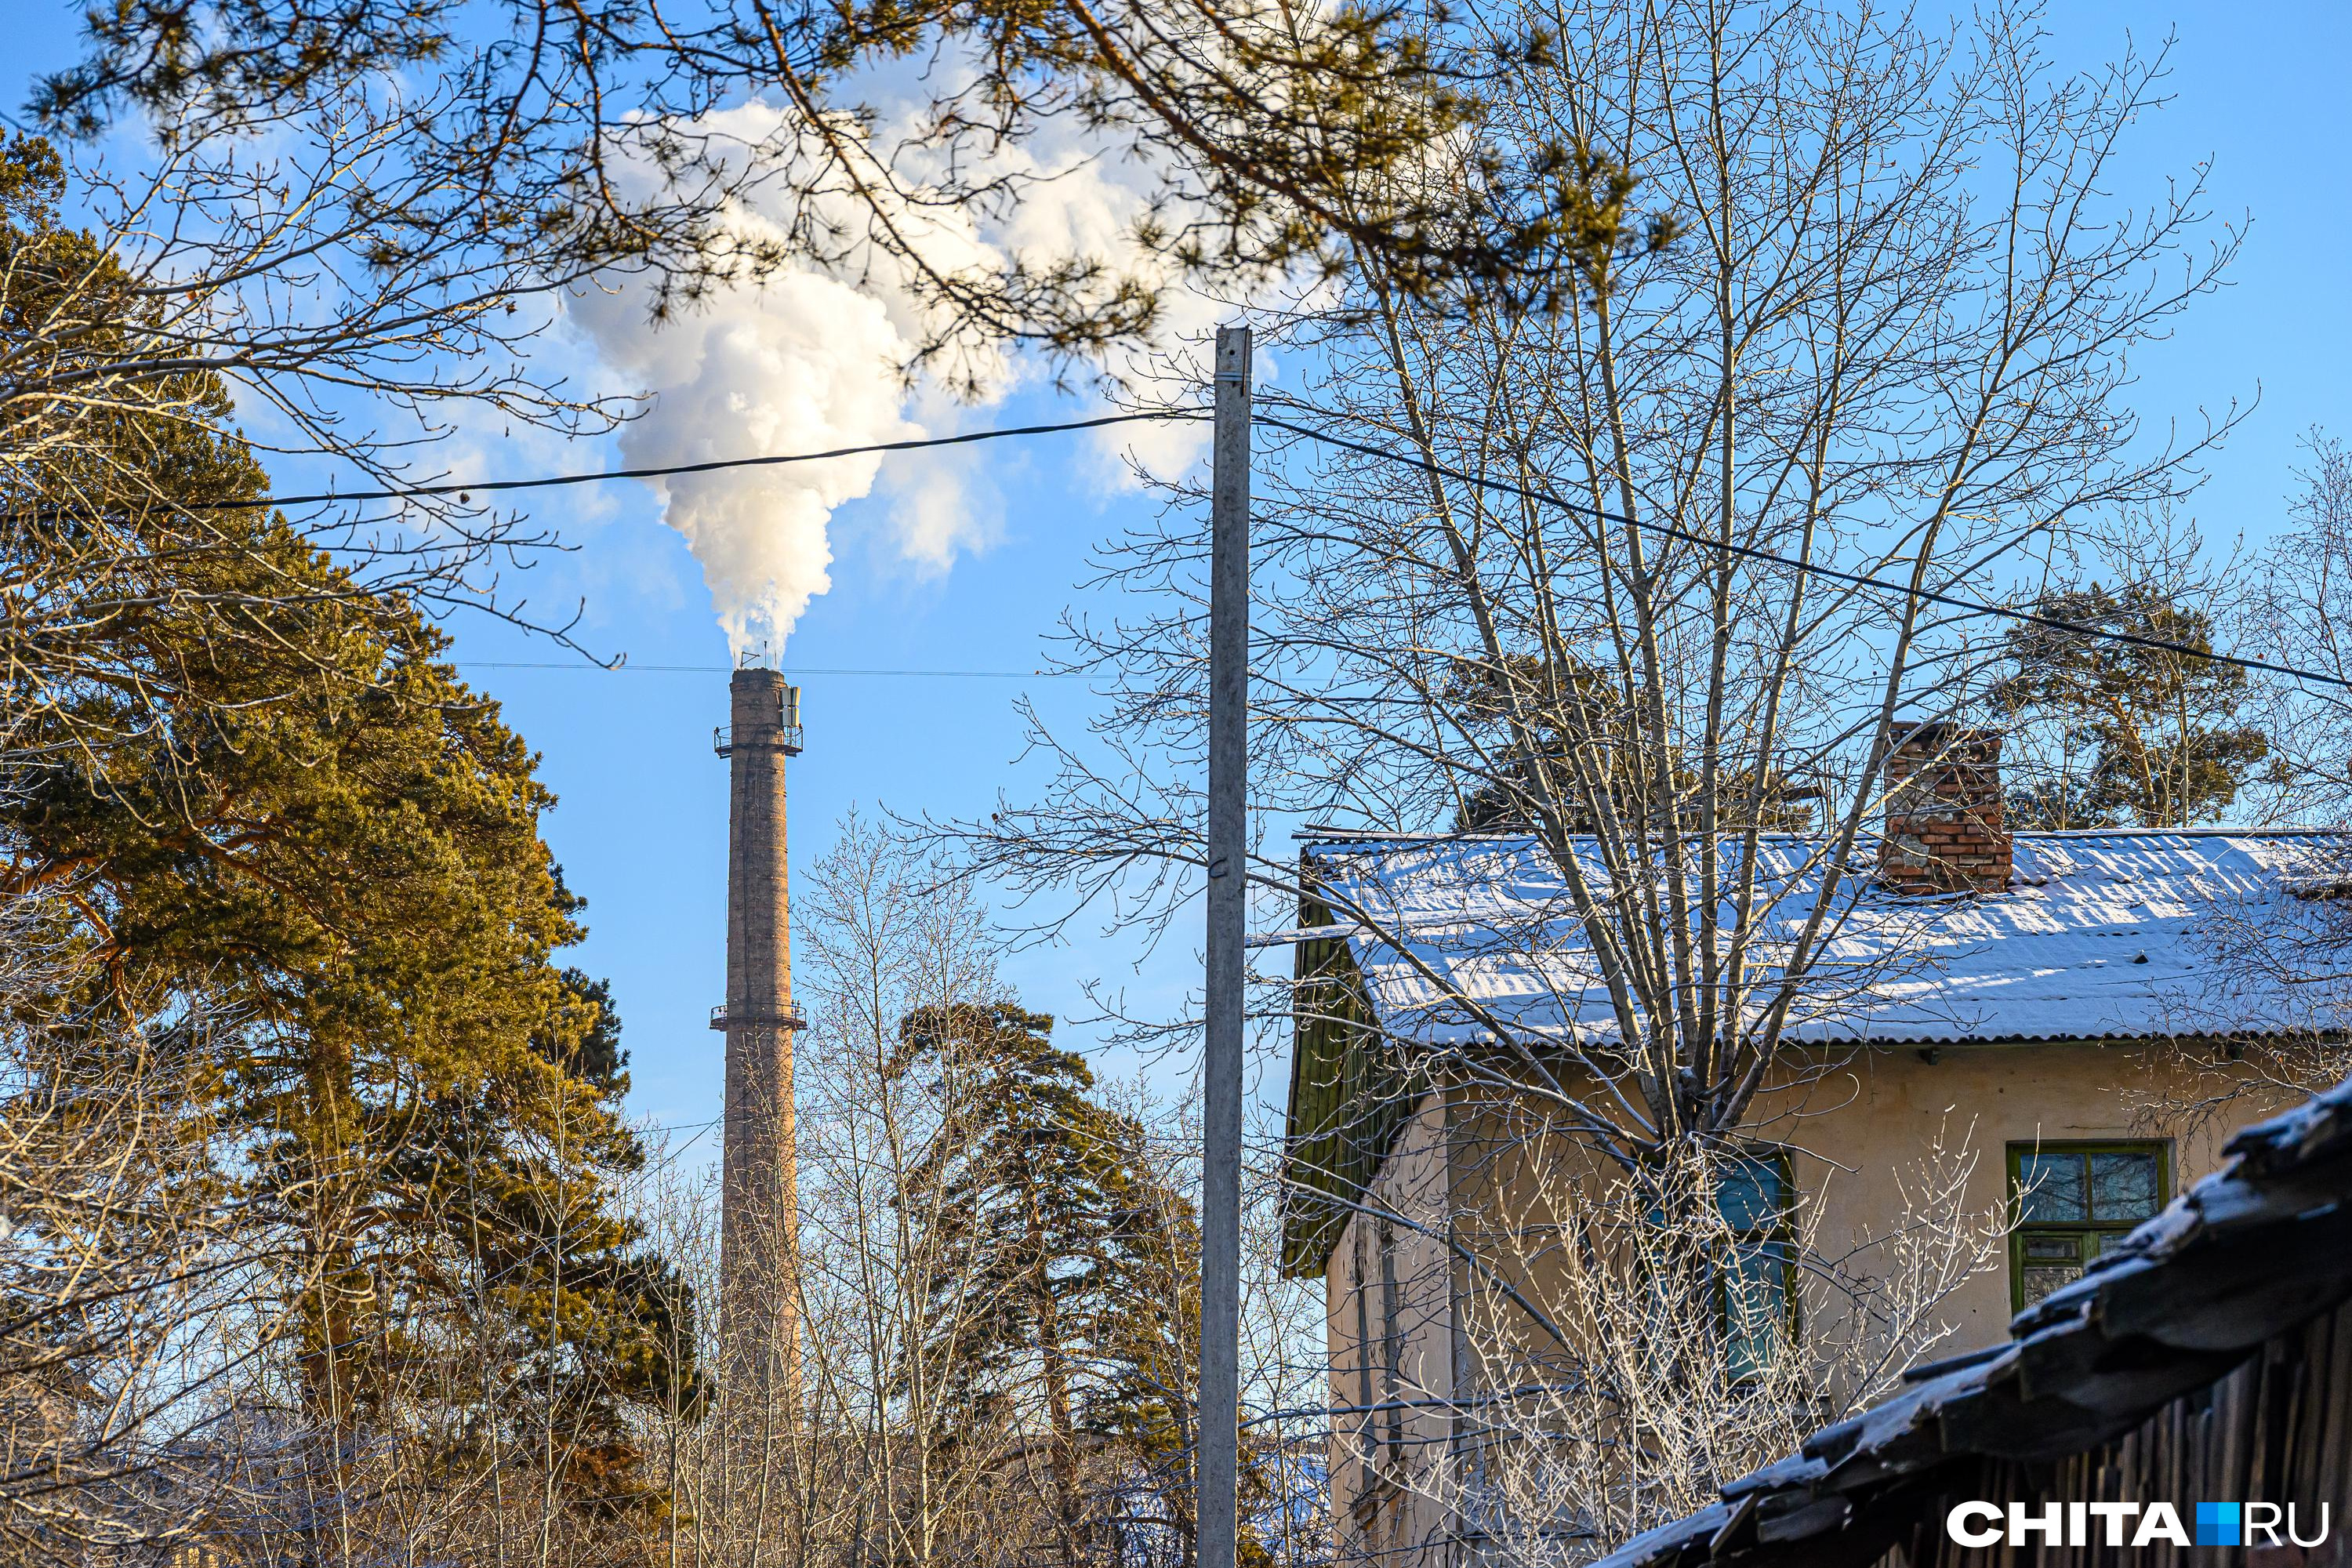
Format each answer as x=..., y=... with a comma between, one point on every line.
x=624, y=668
x=466, y=488
x=1746, y=551
x=495, y=487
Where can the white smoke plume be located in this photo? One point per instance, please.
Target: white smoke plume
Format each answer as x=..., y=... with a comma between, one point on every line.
x=807, y=363
x=803, y=365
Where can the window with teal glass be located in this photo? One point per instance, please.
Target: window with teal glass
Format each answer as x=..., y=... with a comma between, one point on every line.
x=1756, y=1290
x=2071, y=1203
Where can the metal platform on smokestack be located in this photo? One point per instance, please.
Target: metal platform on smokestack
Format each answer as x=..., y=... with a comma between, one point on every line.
x=784, y=735
x=788, y=1017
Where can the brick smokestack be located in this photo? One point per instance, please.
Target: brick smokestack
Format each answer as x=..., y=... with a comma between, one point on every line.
x=759, y=1190
x=1946, y=830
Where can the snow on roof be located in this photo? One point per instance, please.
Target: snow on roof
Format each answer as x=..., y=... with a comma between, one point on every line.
x=2098, y=935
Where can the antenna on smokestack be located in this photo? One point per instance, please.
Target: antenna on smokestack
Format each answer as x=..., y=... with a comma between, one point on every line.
x=759, y=1213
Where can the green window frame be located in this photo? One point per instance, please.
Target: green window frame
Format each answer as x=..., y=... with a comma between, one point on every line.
x=1756, y=1294
x=2072, y=1201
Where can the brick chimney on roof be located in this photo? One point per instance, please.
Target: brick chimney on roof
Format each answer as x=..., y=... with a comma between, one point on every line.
x=1946, y=831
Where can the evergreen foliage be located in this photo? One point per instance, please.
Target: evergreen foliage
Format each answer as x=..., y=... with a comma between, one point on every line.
x=278, y=818
x=1084, y=1257
x=2133, y=736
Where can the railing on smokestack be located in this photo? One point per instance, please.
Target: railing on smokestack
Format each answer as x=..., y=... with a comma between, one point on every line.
x=784, y=738
x=787, y=1017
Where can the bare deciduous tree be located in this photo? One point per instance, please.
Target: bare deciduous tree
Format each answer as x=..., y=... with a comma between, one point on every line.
x=872, y=1459
x=1597, y=580
x=923, y=1431
x=2292, y=609
x=2299, y=614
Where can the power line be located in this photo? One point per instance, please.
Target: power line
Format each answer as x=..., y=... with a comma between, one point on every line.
x=715, y=465
x=1546, y=497
x=1748, y=551
x=624, y=668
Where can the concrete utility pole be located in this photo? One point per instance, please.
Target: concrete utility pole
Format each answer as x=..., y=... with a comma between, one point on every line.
x=759, y=1190
x=1221, y=1118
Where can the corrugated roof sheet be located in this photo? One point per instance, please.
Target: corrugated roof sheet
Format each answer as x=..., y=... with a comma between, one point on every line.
x=2253, y=1251
x=2099, y=935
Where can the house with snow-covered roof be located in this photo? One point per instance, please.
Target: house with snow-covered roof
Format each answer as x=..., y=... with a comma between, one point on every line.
x=2024, y=1023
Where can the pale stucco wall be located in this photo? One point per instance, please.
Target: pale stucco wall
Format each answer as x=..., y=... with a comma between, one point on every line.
x=1858, y=1124
x=1387, y=1464
x=1852, y=1121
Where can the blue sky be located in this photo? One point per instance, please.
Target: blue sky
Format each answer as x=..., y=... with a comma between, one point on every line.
x=641, y=827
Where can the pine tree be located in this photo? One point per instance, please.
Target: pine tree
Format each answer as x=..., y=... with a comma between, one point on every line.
x=1149, y=1332
x=1559, y=741
x=1084, y=1258
x=2127, y=735
x=1027, y=1188
x=279, y=817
